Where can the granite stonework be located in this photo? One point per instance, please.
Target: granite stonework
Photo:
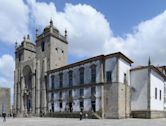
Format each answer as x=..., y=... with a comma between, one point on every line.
x=103, y=86
x=5, y=105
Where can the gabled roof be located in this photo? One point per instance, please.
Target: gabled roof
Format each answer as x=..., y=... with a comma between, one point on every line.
x=120, y=55
x=151, y=67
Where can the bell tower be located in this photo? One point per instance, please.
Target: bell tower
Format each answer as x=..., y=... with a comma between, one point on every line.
x=51, y=53
x=24, y=77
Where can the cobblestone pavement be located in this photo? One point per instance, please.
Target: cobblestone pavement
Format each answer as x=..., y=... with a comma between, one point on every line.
x=77, y=122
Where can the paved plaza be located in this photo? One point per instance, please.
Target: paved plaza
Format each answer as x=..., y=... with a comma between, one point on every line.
x=77, y=122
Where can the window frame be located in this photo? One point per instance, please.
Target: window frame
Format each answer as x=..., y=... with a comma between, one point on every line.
x=52, y=82
x=109, y=76
x=160, y=95
x=70, y=77
x=155, y=93
x=61, y=80
x=93, y=73
x=42, y=46
x=93, y=91
x=81, y=73
x=81, y=92
x=70, y=93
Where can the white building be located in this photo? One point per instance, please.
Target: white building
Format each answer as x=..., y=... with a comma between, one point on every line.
x=100, y=84
x=147, y=92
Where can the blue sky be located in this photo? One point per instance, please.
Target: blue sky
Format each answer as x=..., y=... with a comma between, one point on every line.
x=136, y=28
x=121, y=14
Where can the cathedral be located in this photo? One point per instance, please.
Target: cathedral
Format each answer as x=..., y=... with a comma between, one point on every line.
x=103, y=86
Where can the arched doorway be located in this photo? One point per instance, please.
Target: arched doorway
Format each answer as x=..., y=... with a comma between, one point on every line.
x=27, y=96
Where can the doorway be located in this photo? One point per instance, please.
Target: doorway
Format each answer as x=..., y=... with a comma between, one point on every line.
x=70, y=106
x=93, y=106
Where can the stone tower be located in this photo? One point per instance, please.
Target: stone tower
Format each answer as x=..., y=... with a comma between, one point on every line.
x=51, y=53
x=24, y=77
x=32, y=63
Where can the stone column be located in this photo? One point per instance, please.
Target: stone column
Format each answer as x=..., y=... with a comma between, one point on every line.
x=44, y=102
x=21, y=95
x=18, y=98
x=38, y=88
x=15, y=91
x=25, y=104
x=33, y=93
x=102, y=87
x=43, y=88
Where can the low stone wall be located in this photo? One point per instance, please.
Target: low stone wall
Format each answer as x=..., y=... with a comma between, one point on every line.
x=158, y=114
x=72, y=115
x=148, y=114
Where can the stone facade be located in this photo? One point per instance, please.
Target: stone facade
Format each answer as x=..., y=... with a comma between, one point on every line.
x=5, y=105
x=45, y=84
x=102, y=86
x=32, y=63
x=103, y=92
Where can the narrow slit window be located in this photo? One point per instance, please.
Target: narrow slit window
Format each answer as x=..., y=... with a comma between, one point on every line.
x=155, y=93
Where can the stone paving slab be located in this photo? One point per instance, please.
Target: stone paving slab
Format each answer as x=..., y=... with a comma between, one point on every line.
x=85, y=122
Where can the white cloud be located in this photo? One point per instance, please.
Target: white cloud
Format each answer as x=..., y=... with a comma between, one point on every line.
x=147, y=39
x=13, y=20
x=85, y=25
x=90, y=33
x=7, y=66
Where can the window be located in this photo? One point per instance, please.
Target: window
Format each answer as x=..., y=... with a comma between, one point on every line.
x=93, y=91
x=60, y=102
x=60, y=95
x=155, y=93
x=52, y=82
x=93, y=73
x=82, y=75
x=43, y=46
x=19, y=57
x=81, y=92
x=109, y=76
x=60, y=105
x=70, y=78
x=81, y=105
x=52, y=107
x=93, y=105
x=70, y=93
x=125, y=78
x=61, y=80
x=52, y=96
x=160, y=94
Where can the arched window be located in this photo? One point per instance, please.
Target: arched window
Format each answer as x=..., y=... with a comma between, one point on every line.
x=93, y=73
x=81, y=75
x=70, y=78
x=81, y=92
x=52, y=82
x=61, y=80
x=43, y=46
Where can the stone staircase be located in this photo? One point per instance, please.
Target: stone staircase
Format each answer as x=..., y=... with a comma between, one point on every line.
x=95, y=116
